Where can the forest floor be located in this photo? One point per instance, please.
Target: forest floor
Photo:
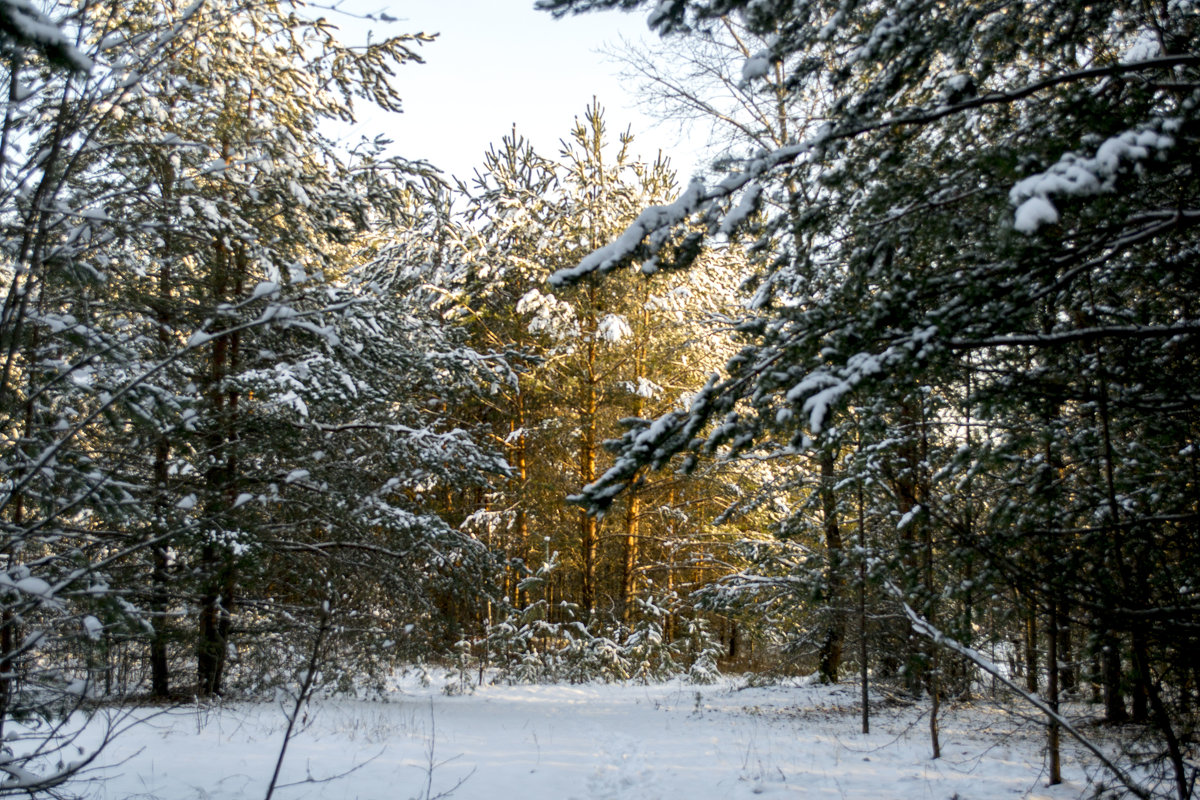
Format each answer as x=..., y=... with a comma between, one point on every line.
x=588, y=742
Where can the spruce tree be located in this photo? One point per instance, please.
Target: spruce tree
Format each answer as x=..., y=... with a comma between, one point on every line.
x=213, y=400
x=995, y=225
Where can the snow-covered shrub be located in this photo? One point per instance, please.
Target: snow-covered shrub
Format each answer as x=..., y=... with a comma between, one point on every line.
x=459, y=676
x=527, y=647
x=703, y=650
x=522, y=647
x=544, y=643
x=591, y=657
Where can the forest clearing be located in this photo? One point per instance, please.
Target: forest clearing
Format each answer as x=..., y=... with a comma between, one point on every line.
x=589, y=742
x=905, y=381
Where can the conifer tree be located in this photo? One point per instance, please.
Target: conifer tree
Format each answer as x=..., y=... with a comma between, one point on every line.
x=200, y=350
x=996, y=215
x=596, y=353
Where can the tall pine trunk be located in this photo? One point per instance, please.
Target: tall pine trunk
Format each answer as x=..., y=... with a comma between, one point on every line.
x=160, y=678
x=520, y=479
x=830, y=659
x=1052, y=737
x=219, y=566
x=630, y=556
x=588, y=524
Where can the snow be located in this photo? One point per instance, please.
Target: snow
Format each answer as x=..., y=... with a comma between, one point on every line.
x=199, y=339
x=646, y=388
x=653, y=219
x=822, y=390
x=1146, y=46
x=748, y=204
x=756, y=66
x=92, y=627
x=265, y=289
x=613, y=329
x=586, y=742
x=1078, y=176
x=1033, y=213
x=35, y=586
x=33, y=27
x=908, y=517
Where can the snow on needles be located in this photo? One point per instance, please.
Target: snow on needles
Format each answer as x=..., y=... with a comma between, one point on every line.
x=756, y=66
x=1077, y=176
x=653, y=219
x=821, y=389
x=30, y=25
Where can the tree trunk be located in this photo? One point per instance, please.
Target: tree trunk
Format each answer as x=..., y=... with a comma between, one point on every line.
x=1031, y=654
x=216, y=602
x=160, y=678
x=1052, y=733
x=1140, y=684
x=1140, y=647
x=906, y=483
x=835, y=630
x=216, y=622
x=521, y=479
x=1068, y=680
x=1114, y=699
x=1111, y=677
x=8, y=620
x=669, y=632
x=935, y=704
x=633, y=510
x=225, y=625
x=8, y=639
x=210, y=647
x=630, y=556
x=588, y=537
x=1162, y=720
x=863, y=667
x=588, y=526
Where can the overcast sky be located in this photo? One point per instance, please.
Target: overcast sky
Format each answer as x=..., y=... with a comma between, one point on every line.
x=499, y=62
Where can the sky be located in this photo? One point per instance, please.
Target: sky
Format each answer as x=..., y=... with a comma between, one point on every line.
x=497, y=63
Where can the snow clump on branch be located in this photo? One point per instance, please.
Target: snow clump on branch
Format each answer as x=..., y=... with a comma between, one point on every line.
x=1076, y=176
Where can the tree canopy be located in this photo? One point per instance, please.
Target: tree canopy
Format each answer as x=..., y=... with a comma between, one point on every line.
x=921, y=349
x=981, y=266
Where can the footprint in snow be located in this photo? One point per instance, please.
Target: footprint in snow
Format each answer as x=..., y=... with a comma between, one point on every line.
x=622, y=773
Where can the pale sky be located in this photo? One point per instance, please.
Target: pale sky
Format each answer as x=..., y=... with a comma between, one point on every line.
x=499, y=62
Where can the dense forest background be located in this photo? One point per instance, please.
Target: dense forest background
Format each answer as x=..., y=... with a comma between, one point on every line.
x=905, y=389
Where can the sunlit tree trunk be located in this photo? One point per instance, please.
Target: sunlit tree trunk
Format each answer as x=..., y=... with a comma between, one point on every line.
x=520, y=480
x=588, y=409
x=633, y=509
x=629, y=561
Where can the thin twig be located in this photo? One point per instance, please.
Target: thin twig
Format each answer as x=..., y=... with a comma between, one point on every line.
x=923, y=627
x=302, y=696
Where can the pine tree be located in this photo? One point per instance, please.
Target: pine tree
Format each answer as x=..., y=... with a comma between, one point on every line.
x=199, y=353
x=595, y=354
x=995, y=219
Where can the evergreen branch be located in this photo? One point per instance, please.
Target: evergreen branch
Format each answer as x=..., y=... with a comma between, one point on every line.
x=1079, y=335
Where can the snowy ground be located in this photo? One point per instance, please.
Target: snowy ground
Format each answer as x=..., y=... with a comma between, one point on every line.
x=593, y=742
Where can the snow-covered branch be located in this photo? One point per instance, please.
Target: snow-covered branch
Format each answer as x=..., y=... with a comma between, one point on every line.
x=927, y=629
